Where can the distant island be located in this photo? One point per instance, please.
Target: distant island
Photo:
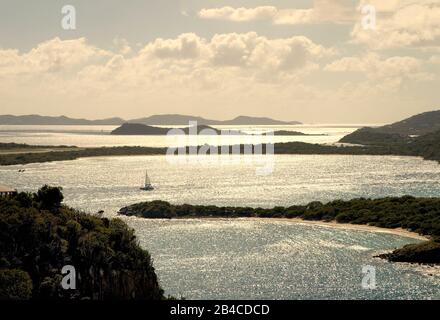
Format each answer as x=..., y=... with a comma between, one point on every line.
x=162, y=119
x=62, y=120
x=415, y=214
x=296, y=133
x=142, y=129
x=361, y=142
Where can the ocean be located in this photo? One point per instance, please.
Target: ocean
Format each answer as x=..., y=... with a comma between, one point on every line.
x=243, y=258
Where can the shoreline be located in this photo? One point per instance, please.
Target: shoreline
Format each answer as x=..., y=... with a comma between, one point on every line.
x=356, y=227
x=328, y=224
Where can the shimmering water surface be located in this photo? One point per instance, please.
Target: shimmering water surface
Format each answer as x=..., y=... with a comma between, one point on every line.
x=98, y=136
x=255, y=259
x=252, y=258
x=245, y=258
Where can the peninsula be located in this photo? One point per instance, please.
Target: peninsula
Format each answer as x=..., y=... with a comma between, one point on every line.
x=419, y=215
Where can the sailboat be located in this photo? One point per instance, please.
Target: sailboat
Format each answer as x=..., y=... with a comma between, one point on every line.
x=147, y=186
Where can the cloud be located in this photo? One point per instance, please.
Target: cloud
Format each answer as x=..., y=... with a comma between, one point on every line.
x=226, y=72
x=239, y=14
x=239, y=54
x=186, y=46
x=122, y=46
x=434, y=60
x=387, y=72
x=185, y=62
x=54, y=55
x=405, y=25
x=323, y=11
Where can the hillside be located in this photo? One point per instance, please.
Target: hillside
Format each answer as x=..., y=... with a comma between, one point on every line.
x=38, y=236
x=398, y=132
x=419, y=124
x=372, y=136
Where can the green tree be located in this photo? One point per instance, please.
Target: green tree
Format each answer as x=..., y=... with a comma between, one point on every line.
x=49, y=197
x=25, y=199
x=15, y=284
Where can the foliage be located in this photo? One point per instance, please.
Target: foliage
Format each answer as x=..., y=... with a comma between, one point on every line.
x=38, y=240
x=15, y=284
x=416, y=214
x=49, y=197
x=426, y=252
x=420, y=215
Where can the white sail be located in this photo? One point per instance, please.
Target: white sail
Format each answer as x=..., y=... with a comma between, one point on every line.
x=147, y=179
x=147, y=186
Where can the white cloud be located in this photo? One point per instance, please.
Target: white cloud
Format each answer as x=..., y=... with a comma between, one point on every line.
x=122, y=46
x=407, y=25
x=186, y=46
x=388, y=73
x=51, y=56
x=434, y=60
x=239, y=14
x=233, y=72
x=187, y=61
x=323, y=11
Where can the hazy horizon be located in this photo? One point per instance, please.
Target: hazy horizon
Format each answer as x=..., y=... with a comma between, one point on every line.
x=206, y=118
x=304, y=60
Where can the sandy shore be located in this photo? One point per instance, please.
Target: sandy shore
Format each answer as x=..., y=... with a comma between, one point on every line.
x=359, y=227
x=331, y=224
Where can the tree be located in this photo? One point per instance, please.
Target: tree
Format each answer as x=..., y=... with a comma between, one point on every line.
x=49, y=197
x=15, y=284
x=25, y=199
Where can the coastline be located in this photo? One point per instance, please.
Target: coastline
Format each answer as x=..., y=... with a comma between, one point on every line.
x=329, y=224
x=356, y=227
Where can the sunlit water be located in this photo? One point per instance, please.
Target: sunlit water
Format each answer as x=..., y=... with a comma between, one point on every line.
x=98, y=136
x=243, y=258
x=252, y=258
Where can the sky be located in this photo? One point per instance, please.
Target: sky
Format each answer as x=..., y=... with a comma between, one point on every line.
x=316, y=61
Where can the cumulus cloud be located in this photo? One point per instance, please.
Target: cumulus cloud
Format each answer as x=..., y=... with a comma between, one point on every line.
x=186, y=46
x=405, y=25
x=239, y=14
x=54, y=55
x=224, y=71
x=323, y=11
x=187, y=61
x=389, y=72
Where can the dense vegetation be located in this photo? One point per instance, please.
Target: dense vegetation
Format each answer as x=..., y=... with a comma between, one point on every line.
x=39, y=235
x=75, y=153
x=371, y=136
x=280, y=148
x=420, y=215
x=426, y=252
x=417, y=136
